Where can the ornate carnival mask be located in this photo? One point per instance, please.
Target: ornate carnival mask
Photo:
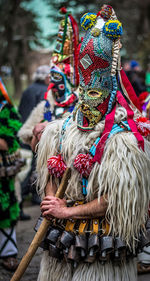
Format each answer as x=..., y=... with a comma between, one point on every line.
x=98, y=59
x=61, y=88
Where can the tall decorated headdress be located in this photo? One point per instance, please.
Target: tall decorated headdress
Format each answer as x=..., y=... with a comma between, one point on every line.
x=64, y=76
x=65, y=52
x=103, y=83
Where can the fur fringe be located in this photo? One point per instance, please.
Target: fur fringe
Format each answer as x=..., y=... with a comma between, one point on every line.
x=52, y=270
x=26, y=132
x=48, y=145
x=36, y=116
x=124, y=176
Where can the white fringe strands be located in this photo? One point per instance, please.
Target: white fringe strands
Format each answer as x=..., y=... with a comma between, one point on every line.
x=52, y=270
x=124, y=176
x=123, y=173
x=47, y=147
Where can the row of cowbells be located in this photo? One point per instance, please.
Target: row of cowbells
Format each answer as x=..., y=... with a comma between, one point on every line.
x=89, y=246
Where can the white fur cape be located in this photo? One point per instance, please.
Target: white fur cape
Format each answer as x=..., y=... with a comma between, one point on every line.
x=36, y=116
x=123, y=175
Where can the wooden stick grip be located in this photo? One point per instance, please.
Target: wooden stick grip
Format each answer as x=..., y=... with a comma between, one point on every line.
x=40, y=233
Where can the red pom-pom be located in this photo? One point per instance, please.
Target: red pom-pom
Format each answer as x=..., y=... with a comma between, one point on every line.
x=56, y=166
x=84, y=164
x=63, y=10
x=143, y=125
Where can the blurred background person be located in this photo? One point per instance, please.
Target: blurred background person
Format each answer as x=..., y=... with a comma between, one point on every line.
x=29, y=100
x=35, y=92
x=136, y=76
x=10, y=164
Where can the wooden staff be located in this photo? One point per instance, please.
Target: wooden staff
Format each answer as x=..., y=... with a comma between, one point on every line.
x=40, y=233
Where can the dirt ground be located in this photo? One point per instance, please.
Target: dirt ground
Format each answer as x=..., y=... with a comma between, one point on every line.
x=25, y=234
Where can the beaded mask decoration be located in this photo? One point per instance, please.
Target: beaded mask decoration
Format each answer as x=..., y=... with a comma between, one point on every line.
x=97, y=67
x=65, y=53
x=61, y=89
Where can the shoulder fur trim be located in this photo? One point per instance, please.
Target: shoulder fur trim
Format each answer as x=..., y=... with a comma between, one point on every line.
x=25, y=133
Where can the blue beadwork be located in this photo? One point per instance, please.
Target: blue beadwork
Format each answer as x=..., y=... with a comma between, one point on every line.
x=47, y=112
x=84, y=185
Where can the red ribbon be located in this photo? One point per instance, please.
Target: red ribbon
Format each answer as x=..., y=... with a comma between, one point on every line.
x=68, y=102
x=50, y=86
x=130, y=120
x=109, y=121
x=130, y=91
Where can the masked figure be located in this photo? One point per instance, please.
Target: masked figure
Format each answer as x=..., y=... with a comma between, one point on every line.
x=10, y=164
x=96, y=232
x=61, y=95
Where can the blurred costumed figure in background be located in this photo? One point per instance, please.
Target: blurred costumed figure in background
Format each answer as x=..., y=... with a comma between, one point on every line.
x=96, y=232
x=10, y=164
x=30, y=98
x=60, y=96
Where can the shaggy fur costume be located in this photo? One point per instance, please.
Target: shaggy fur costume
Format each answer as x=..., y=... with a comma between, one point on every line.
x=123, y=174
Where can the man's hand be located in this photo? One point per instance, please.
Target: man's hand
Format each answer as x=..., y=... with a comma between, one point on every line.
x=53, y=207
x=37, y=132
x=38, y=129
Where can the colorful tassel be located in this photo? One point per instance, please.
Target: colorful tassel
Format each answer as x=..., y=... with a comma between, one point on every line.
x=56, y=166
x=84, y=164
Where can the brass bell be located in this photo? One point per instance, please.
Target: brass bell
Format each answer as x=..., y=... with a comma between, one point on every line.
x=67, y=238
x=53, y=235
x=44, y=244
x=55, y=252
x=120, y=248
x=38, y=223
x=106, y=247
x=93, y=244
x=81, y=244
x=93, y=247
x=73, y=255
